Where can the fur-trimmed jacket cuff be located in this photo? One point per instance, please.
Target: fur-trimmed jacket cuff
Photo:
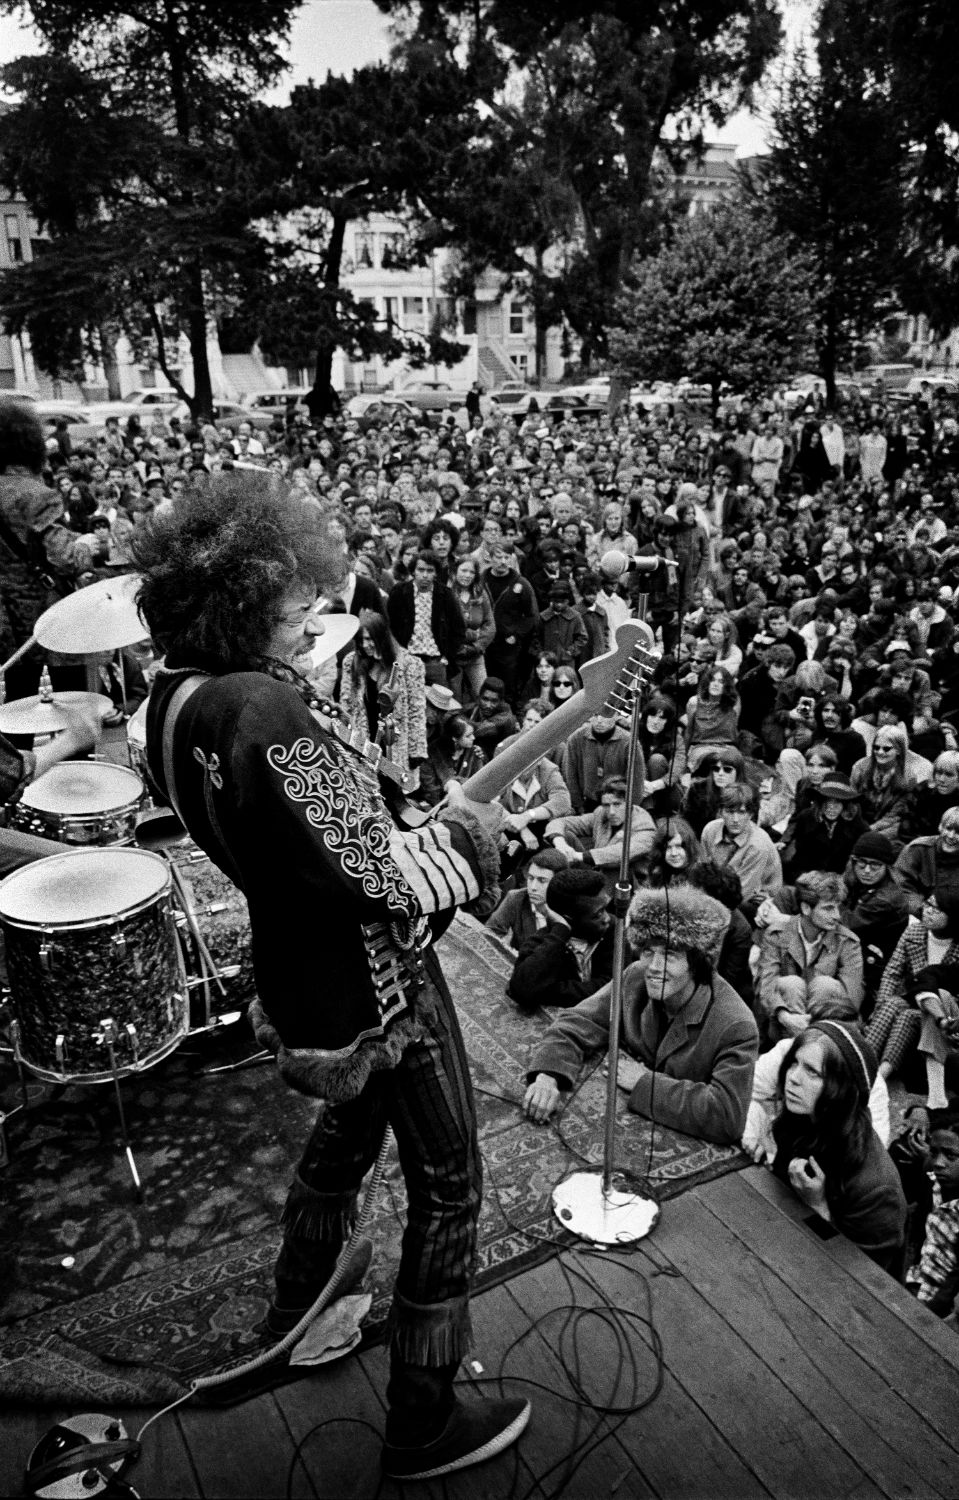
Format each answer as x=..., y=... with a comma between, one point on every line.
x=329, y=1075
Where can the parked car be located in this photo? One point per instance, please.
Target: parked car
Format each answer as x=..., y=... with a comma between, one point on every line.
x=79, y=426
x=567, y=403
x=515, y=398
x=431, y=395
x=930, y=383
x=228, y=414
x=378, y=403
x=277, y=403
x=142, y=403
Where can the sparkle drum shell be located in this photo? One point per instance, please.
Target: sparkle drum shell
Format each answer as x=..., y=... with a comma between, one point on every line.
x=90, y=939
x=82, y=802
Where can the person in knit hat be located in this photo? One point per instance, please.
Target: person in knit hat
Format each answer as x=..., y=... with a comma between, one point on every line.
x=689, y=1043
x=876, y=909
x=826, y=1147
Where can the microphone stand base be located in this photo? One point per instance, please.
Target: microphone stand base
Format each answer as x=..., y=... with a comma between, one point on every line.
x=613, y=1216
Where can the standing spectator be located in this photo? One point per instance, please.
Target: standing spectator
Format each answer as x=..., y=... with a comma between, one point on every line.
x=561, y=629
x=476, y=607
x=382, y=693
x=515, y=616
x=425, y=616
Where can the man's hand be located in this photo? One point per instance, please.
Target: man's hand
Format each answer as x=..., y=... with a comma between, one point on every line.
x=542, y=1098
x=808, y=1181
x=490, y=814
x=516, y=822
x=629, y=1072
x=80, y=734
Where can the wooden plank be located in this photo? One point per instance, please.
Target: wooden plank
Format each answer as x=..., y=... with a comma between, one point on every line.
x=22, y=1429
x=878, y=1430
x=242, y=1451
x=672, y=1446
x=555, y=1428
x=768, y=1426
x=889, y=1330
x=924, y=1324
x=341, y=1459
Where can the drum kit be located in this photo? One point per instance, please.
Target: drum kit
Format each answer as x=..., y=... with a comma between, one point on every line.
x=123, y=944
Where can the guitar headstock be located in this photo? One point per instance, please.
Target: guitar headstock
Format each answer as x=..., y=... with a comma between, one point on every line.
x=611, y=682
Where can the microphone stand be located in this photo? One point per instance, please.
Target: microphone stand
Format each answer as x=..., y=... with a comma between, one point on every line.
x=602, y=1205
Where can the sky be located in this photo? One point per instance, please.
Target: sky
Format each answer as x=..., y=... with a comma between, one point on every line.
x=337, y=36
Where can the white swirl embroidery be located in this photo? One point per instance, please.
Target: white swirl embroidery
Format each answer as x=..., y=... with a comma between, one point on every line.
x=344, y=806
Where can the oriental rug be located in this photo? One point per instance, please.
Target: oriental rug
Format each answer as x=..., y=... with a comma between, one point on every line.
x=108, y=1300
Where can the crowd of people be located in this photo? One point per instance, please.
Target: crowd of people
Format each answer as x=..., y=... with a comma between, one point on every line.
x=794, y=833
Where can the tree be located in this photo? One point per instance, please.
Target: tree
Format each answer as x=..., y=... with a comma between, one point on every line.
x=573, y=100
x=728, y=300
x=339, y=152
x=835, y=185
x=122, y=144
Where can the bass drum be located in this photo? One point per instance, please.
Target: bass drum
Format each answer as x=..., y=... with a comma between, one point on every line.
x=93, y=962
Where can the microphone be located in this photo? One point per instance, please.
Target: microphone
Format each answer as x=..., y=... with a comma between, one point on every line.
x=616, y=564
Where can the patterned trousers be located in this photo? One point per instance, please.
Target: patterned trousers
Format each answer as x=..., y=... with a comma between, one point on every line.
x=893, y=1031
x=428, y=1100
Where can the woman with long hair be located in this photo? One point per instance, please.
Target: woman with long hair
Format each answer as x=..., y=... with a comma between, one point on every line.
x=664, y=752
x=540, y=680
x=675, y=850
x=717, y=770
x=881, y=780
x=824, y=1145
x=382, y=692
x=712, y=715
x=476, y=605
x=565, y=682
x=721, y=633
x=824, y=833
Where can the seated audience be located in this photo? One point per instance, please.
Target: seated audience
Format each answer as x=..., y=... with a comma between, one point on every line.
x=689, y=1042
x=733, y=839
x=810, y=965
x=572, y=956
x=596, y=838
x=931, y=863
x=826, y=1147
x=523, y=912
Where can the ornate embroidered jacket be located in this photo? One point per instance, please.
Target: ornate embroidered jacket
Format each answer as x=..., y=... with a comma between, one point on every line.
x=337, y=895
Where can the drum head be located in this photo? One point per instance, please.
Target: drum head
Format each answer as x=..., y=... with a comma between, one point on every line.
x=83, y=787
x=82, y=886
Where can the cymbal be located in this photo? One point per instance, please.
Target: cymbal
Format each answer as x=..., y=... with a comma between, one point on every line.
x=338, y=631
x=30, y=716
x=102, y=617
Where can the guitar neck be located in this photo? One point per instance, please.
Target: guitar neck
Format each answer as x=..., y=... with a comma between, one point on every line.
x=500, y=772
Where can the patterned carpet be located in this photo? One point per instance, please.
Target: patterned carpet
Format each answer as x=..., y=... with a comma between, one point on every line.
x=105, y=1296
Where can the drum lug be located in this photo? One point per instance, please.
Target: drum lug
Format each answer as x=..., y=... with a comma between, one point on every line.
x=213, y=908
x=44, y=954
x=119, y=941
x=60, y=1048
x=106, y=1035
x=131, y=1034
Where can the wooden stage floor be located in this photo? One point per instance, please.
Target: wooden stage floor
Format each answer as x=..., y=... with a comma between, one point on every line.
x=791, y=1367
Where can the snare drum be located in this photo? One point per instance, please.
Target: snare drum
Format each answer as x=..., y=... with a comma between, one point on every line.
x=93, y=958
x=82, y=802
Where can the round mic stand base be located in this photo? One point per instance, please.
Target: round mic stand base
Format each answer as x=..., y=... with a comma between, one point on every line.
x=617, y=1214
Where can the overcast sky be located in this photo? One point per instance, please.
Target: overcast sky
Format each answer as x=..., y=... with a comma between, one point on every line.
x=337, y=36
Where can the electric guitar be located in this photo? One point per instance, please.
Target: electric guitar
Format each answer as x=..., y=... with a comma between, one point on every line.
x=610, y=684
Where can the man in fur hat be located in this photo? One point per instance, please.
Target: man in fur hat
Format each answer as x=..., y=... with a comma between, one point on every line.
x=689, y=1042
